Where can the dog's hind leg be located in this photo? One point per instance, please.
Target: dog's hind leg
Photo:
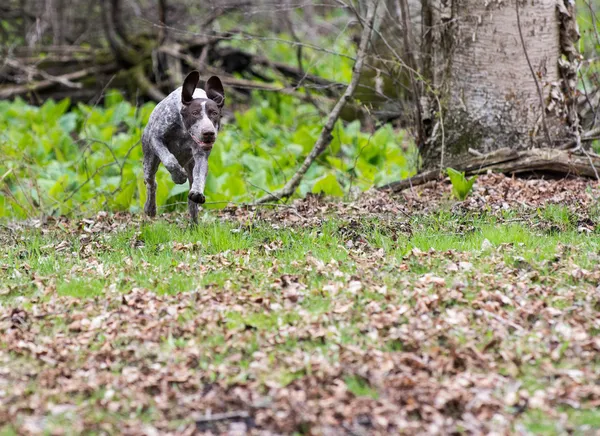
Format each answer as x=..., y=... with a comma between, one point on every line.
x=192, y=205
x=151, y=162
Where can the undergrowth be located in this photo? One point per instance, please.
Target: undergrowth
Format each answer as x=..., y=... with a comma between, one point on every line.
x=60, y=162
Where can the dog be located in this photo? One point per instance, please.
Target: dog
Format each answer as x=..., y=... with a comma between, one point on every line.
x=180, y=133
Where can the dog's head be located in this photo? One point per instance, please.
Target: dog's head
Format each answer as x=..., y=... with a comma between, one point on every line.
x=202, y=115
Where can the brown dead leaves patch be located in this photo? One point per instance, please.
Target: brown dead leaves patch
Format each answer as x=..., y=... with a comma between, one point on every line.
x=428, y=355
x=498, y=191
x=493, y=192
x=430, y=343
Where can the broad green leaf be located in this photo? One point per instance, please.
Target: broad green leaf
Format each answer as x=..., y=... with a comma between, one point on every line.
x=179, y=189
x=58, y=189
x=68, y=122
x=124, y=198
x=461, y=187
x=329, y=185
x=255, y=163
x=337, y=163
x=112, y=98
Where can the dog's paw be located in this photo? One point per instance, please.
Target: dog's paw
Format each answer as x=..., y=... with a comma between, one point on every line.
x=196, y=197
x=178, y=175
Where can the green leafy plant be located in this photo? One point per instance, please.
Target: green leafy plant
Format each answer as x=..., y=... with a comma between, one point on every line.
x=60, y=159
x=461, y=186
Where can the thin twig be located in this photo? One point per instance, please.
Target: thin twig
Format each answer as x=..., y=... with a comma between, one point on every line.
x=409, y=48
x=241, y=414
x=588, y=101
x=325, y=137
x=266, y=191
x=502, y=320
x=591, y=162
x=89, y=179
x=162, y=18
x=593, y=18
x=299, y=56
x=430, y=91
x=586, y=136
x=122, y=165
x=537, y=83
x=351, y=171
x=232, y=203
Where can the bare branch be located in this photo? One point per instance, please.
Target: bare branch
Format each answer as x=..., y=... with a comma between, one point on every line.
x=594, y=23
x=146, y=86
x=409, y=48
x=587, y=136
x=162, y=19
x=11, y=91
x=115, y=34
x=325, y=137
x=32, y=72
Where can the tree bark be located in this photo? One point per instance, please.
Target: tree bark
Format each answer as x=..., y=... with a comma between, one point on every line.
x=497, y=76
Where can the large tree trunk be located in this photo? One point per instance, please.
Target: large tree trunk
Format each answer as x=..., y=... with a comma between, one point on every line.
x=498, y=77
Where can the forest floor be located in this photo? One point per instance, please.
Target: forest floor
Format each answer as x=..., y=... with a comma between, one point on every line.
x=405, y=313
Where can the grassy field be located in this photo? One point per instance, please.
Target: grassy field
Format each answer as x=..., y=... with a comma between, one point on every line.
x=319, y=317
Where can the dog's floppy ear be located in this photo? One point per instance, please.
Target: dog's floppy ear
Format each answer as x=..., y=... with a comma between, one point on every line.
x=214, y=91
x=189, y=85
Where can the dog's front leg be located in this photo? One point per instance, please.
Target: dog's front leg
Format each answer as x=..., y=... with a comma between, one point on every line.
x=192, y=207
x=169, y=161
x=200, y=171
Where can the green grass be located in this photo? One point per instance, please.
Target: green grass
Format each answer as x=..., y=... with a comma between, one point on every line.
x=443, y=259
x=251, y=249
x=360, y=387
x=582, y=422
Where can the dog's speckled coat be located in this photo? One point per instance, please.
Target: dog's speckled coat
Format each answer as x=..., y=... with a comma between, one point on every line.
x=180, y=133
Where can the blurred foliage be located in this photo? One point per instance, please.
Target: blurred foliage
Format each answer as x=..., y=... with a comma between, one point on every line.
x=329, y=56
x=589, y=44
x=588, y=19
x=56, y=161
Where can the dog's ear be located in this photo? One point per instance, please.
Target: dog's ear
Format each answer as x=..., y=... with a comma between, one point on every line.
x=214, y=91
x=189, y=85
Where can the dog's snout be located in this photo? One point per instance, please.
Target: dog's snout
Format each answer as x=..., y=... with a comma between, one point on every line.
x=208, y=135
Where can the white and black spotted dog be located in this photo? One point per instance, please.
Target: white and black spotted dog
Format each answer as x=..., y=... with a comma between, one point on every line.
x=181, y=132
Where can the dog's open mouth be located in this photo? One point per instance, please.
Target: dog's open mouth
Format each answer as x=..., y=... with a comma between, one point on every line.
x=204, y=145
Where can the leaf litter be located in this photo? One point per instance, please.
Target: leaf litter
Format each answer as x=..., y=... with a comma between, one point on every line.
x=423, y=342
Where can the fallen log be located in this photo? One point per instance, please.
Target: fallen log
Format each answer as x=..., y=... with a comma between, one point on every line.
x=510, y=161
x=10, y=91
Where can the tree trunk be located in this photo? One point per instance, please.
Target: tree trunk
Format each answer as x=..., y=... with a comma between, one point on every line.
x=497, y=77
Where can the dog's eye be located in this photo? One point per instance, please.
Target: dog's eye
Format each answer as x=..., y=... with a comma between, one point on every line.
x=196, y=113
x=215, y=113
